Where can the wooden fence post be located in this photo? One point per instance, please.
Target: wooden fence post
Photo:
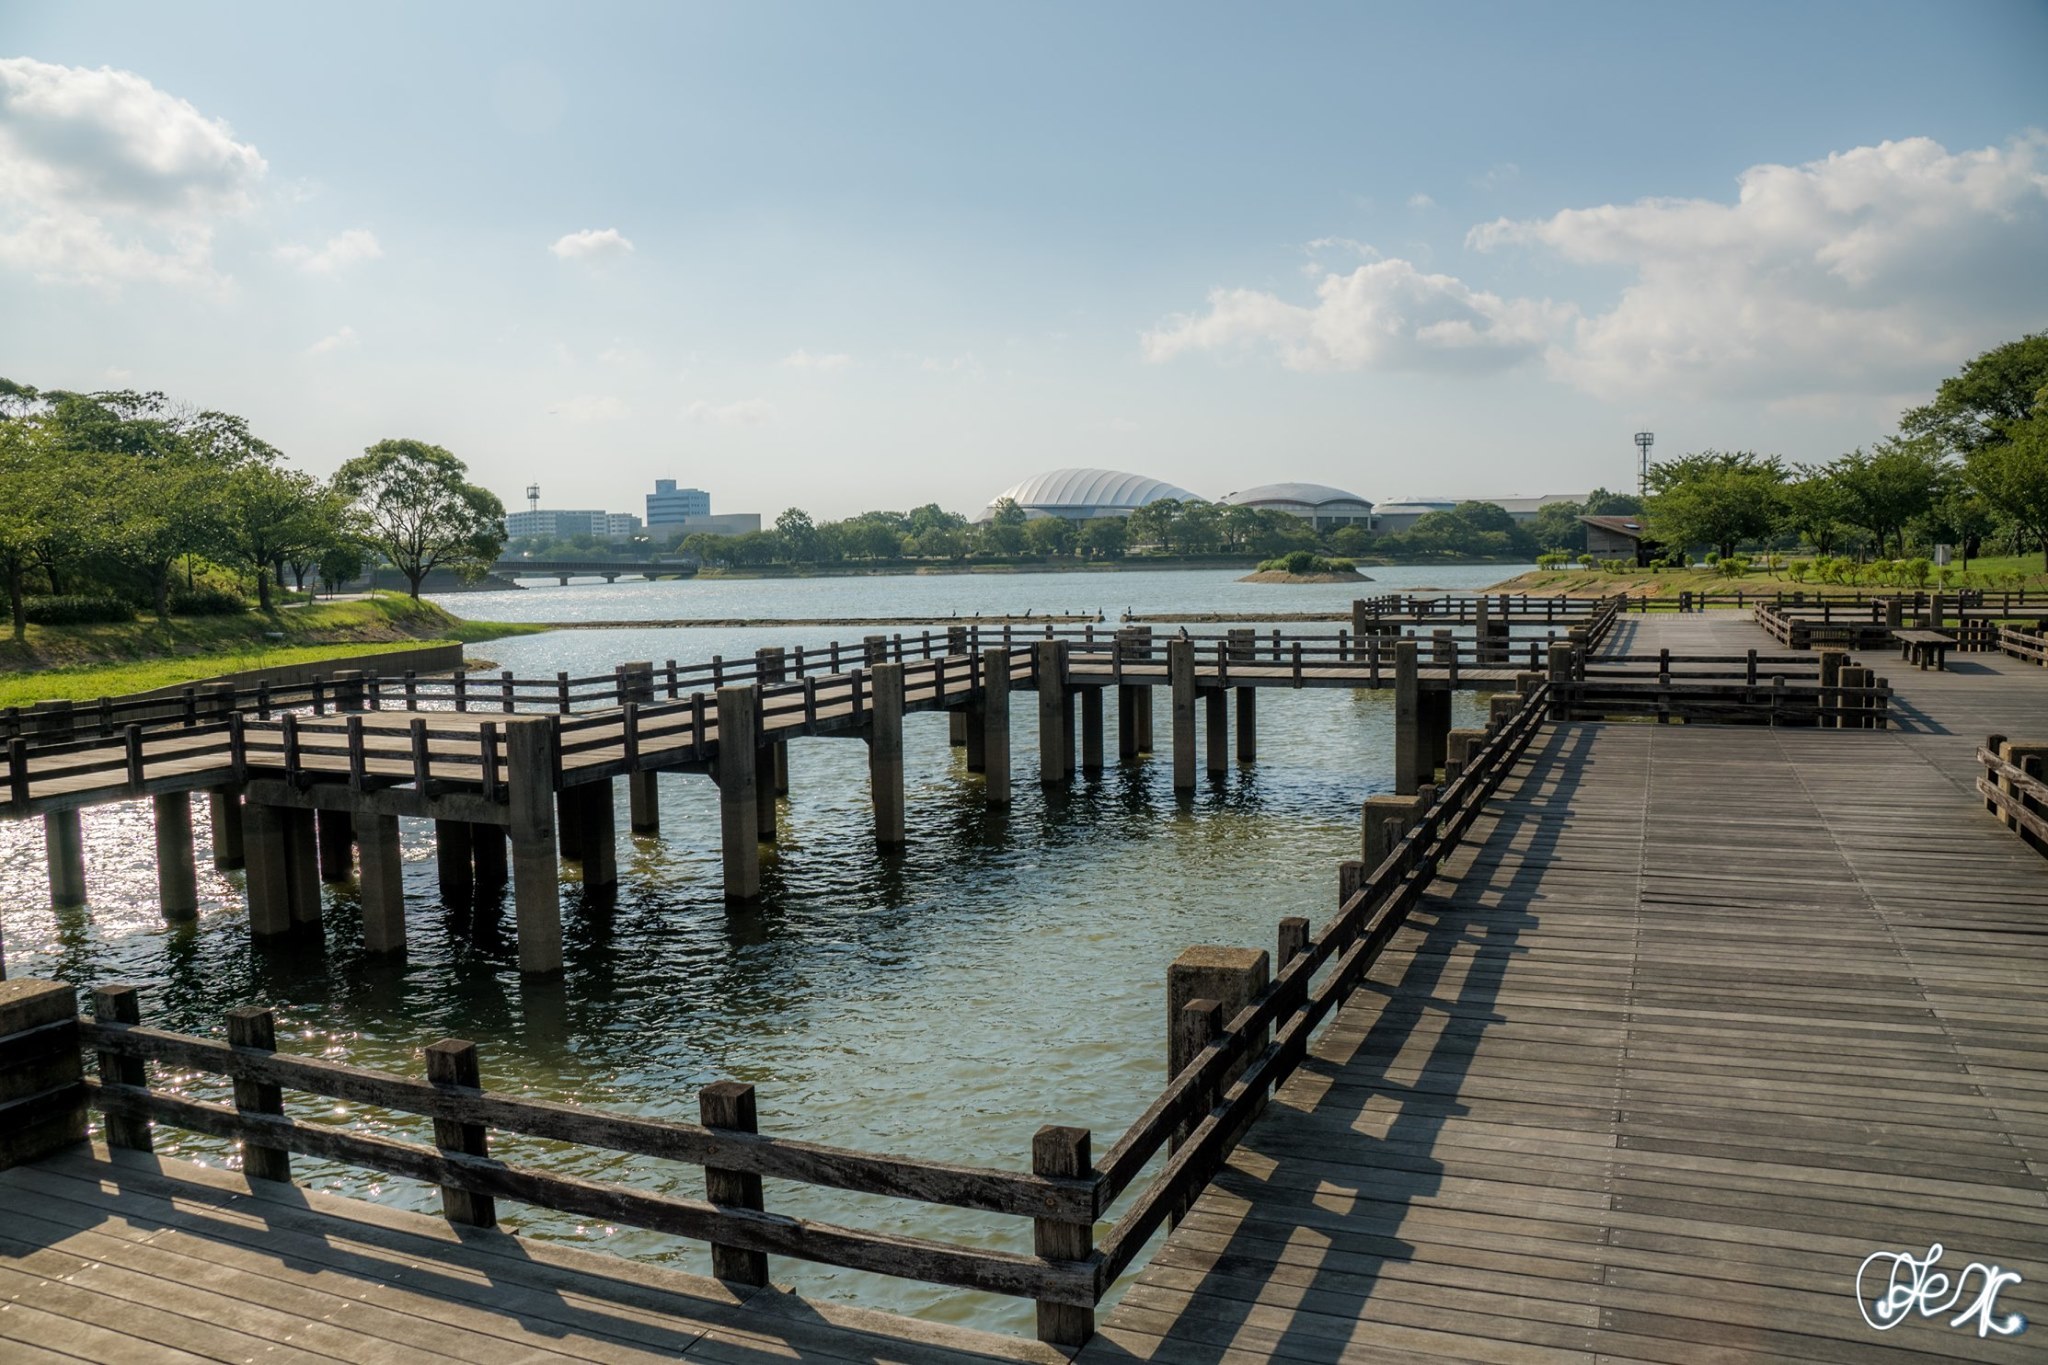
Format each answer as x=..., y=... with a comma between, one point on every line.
x=255, y=1028
x=122, y=1005
x=1062, y=1152
x=730, y=1105
x=452, y=1065
x=42, y=1091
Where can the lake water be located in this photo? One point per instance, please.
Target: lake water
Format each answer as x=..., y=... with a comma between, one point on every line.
x=1005, y=971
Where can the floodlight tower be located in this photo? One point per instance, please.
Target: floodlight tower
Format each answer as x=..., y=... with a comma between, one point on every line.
x=533, y=497
x=1644, y=440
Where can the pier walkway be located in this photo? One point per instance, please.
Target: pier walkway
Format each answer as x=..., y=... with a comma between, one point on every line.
x=125, y=1257
x=1705, y=1017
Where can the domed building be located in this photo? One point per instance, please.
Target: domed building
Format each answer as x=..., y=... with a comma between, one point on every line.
x=1085, y=494
x=1317, y=503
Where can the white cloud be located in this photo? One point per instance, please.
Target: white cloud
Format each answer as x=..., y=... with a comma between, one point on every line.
x=748, y=412
x=338, y=341
x=590, y=407
x=341, y=250
x=592, y=244
x=1386, y=314
x=801, y=359
x=1494, y=176
x=1421, y=201
x=106, y=179
x=1863, y=272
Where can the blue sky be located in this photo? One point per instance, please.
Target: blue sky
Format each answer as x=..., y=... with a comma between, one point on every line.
x=856, y=256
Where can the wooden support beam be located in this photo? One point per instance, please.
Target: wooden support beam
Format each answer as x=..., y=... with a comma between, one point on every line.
x=452, y=1065
x=1062, y=1153
x=255, y=1027
x=39, y=1038
x=885, y=752
x=225, y=817
x=64, y=847
x=177, y=873
x=382, y=883
x=1216, y=731
x=1247, y=724
x=738, y=821
x=530, y=762
x=995, y=732
x=730, y=1105
x=1091, y=729
x=1180, y=672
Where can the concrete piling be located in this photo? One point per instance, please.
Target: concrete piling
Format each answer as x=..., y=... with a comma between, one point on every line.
x=1247, y=724
x=1091, y=729
x=995, y=725
x=1408, y=744
x=536, y=889
x=454, y=859
x=382, y=883
x=1180, y=672
x=302, y=867
x=337, y=837
x=1052, y=711
x=1216, y=731
x=739, y=822
x=64, y=846
x=177, y=876
x=225, y=809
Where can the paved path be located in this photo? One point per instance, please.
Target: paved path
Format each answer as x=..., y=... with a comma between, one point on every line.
x=1712, y=1014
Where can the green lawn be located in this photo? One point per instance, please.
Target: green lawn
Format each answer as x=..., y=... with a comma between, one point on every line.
x=2015, y=571
x=110, y=660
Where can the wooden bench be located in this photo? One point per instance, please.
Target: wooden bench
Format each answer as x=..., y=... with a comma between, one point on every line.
x=1918, y=646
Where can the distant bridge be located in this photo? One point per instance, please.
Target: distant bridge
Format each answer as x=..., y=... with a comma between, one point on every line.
x=610, y=570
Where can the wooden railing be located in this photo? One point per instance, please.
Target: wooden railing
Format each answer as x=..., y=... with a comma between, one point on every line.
x=2023, y=644
x=2013, y=788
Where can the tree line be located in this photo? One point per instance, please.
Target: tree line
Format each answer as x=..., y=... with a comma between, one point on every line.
x=119, y=499
x=1968, y=469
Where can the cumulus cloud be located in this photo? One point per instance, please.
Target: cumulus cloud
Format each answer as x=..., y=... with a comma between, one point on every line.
x=801, y=359
x=593, y=244
x=1857, y=273
x=590, y=407
x=106, y=179
x=338, y=252
x=748, y=412
x=1386, y=314
x=336, y=341
x=1863, y=274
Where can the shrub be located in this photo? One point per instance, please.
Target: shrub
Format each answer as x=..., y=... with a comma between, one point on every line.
x=1797, y=570
x=206, y=601
x=77, y=609
x=1586, y=561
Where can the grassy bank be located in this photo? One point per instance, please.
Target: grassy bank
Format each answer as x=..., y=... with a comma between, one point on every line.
x=2009, y=571
x=136, y=656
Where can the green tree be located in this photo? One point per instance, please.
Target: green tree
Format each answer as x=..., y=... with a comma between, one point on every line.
x=1238, y=525
x=1103, y=538
x=1007, y=513
x=1992, y=394
x=270, y=515
x=1715, y=498
x=1154, y=524
x=412, y=502
x=1049, y=535
x=2012, y=474
x=1814, y=507
x=1197, y=528
x=1601, y=503
x=1882, y=490
x=799, y=536
x=1556, y=526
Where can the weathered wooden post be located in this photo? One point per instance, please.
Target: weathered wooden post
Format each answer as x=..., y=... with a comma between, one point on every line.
x=337, y=836
x=771, y=667
x=255, y=1028
x=177, y=873
x=455, y=861
x=1459, y=745
x=1180, y=673
x=382, y=883
x=739, y=824
x=1091, y=728
x=530, y=762
x=995, y=715
x=1383, y=820
x=1233, y=978
x=1062, y=1153
x=302, y=866
x=1831, y=661
x=64, y=847
x=122, y=1005
x=42, y=1090
x=643, y=792
x=1560, y=682
x=269, y=872
x=885, y=752
x=1052, y=743
x=1408, y=743
x=2024, y=755
x=729, y=1105
x=452, y=1065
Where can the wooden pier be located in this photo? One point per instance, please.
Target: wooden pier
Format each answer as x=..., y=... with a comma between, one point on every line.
x=1698, y=1019
x=1629, y=1040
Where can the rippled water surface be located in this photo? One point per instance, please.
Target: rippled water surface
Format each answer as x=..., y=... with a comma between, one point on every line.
x=1005, y=971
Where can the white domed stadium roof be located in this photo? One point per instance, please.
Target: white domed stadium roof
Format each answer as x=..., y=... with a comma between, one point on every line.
x=1302, y=494
x=1082, y=493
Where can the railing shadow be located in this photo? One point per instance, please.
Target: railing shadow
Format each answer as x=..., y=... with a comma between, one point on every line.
x=1460, y=948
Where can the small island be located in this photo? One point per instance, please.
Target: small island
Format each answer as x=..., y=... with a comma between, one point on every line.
x=1303, y=567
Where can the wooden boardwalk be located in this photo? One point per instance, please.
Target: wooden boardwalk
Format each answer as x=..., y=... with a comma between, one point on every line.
x=128, y=1258
x=1711, y=1015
